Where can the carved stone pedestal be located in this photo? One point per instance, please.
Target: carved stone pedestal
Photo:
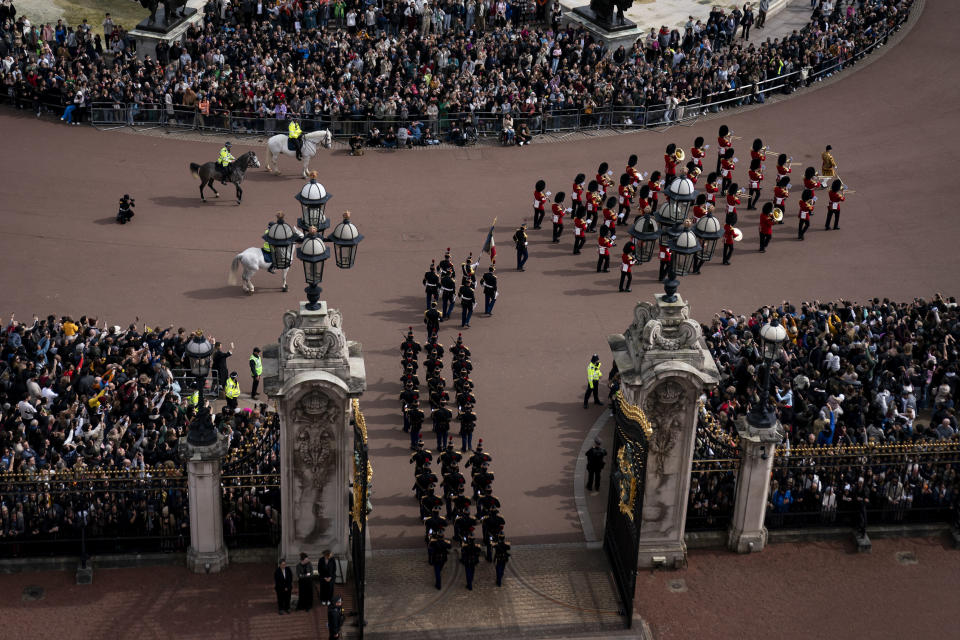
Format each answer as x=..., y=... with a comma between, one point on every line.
x=313, y=373
x=207, y=553
x=747, y=533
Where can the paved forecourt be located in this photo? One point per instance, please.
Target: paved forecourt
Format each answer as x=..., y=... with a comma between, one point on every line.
x=61, y=253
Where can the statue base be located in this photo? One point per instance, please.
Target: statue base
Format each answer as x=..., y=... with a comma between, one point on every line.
x=161, y=25
x=147, y=36
x=612, y=33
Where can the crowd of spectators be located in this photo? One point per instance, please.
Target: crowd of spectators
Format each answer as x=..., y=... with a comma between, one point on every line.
x=878, y=374
x=438, y=62
x=91, y=417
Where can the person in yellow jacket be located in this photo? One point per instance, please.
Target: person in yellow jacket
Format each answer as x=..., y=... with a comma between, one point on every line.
x=231, y=391
x=224, y=160
x=294, y=133
x=256, y=370
x=594, y=375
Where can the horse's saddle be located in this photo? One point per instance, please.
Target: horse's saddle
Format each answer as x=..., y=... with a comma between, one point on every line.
x=291, y=144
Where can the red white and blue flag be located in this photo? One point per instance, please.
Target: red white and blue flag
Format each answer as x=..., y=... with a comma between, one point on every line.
x=489, y=246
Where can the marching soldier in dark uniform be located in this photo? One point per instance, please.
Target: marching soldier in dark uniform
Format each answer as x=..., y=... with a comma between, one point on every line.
x=491, y=526
x=461, y=364
x=430, y=503
x=463, y=526
x=441, y=417
x=408, y=396
x=424, y=483
x=446, y=265
x=463, y=383
x=478, y=459
x=433, y=347
x=467, y=302
x=453, y=483
x=486, y=503
x=409, y=361
x=468, y=422
x=470, y=557
x=448, y=290
x=432, y=364
x=459, y=347
x=410, y=344
x=431, y=318
x=438, y=394
x=464, y=397
x=421, y=458
x=434, y=524
x=461, y=503
x=482, y=481
x=431, y=283
x=450, y=459
x=501, y=555
x=415, y=415
x=409, y=376
x=468, y=271
x=520, y=242
x=489, y=283
x=440, y=549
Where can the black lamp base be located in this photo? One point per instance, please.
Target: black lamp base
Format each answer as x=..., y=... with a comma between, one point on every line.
x=313, y=297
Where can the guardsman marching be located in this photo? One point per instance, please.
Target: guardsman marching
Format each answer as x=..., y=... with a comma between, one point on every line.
x=482, y=481
x=693, y=172
x=446, y=265
x=431, y=318
x=459, y=348
x=610, y=218
x=463, y=383
x=604, y=179
x=670, y=164
x=780, y=194
x=700, y=206
x=232, y=391
x=468, y=270
x=477, y=459
x=655, y=185
x=729, y=237
x=727, y=166
x=224, y=160
x=810, y=180
x=603, y=249
x=625, y=197
x=592, y=204
x=424, y=482
x=783, y=166
x=576, y=195
x=724, y=142
x=408, y=396
x=520, y=243
x=539, y=203
x=450, y=458
x=766, y=226
x=665, y=257
x=631, y=170
x=558, y=212
x=626, y=264
x=594, y=375
x=415, y=416
x=433, y=522
x=439, y=553
x=712, y=188
x=467, y=302
x=430, y=505
x=453, y=483
x=409, y=344
x=448, y=290
x=733, y=199
x=433, y=347
x=833, y=207
x=461, y=504
x=698, y=152
x=468, y=422
x=470, y=557
x=829, y=165
x=441, y=417
x=421, y=459
x=431, y=284
x=490, y=292
x=806, y=212
x=643, y=201
x=460, y=364
x=410, y=376
x=758, y=151
x=125, y=210
x=755, y=176
x=579, y=232
x=491, y=526
x=487, y=502
x=501, y=555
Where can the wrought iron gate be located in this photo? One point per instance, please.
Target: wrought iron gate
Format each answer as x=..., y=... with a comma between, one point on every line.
x=625, y=502
x=359, y=508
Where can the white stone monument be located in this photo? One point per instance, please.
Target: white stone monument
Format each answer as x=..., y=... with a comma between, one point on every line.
x=313, y=373
x=207, y=553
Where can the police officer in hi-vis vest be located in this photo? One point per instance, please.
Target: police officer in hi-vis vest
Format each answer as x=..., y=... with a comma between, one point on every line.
x=256, y=370
x=232, y=391
x=593, y=381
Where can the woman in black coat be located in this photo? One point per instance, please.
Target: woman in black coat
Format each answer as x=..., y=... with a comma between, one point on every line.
x=305, y=583
x=327, y=568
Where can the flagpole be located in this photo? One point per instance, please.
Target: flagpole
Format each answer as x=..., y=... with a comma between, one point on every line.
x=485, y=241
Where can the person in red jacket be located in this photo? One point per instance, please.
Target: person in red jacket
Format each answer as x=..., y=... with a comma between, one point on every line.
x=807, y=200
x=577, y=194
x=625, y=197
x=755, y=176
x=724, y=142
x=604, y=179
x=655, y=186
x=810, y=179
x=700, y=206
x=766, y=226
x=603, y=248
x=631, y=171
x=833, y=208
x=733, y=199
x=665, y=257
x=579, y=233
x=592, y=204
x=610, y=218
x=539, y=203
x=693, y=172
x=626, y=263
x=643, y=201
x=558, y=212
x=712, y=188
x=727, y=166
x=758, y=151
x=698, y=152
x=780, y=193
x=729, y=237
x=783, y=166
x=670, y=164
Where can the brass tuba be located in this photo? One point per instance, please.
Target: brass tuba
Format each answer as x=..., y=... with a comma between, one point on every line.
x=679, y=155
x=777, y=214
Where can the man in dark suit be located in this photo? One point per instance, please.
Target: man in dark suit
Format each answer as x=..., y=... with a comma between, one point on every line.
x=335, y=618
x=283, y=585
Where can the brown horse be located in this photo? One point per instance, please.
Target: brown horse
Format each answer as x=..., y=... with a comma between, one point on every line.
x=207, y=172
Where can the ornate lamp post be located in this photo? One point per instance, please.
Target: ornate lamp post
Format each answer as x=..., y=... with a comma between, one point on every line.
x=646, y=231
x=762, y=414
x=198, y=351
x=281, y=237
x=708, y=230
x=313, y=200
x=680, y=196
x=313, y=253
x=683, y=249
x=345, y=238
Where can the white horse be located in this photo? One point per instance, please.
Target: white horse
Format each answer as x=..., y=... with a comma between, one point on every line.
x=249, y=261
x=278, y=144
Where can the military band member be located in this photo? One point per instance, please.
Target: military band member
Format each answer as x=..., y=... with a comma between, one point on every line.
x=448, y=290
x=421, y=459
x=700, y=206
x=453, y=484
x=693, y=172
x=665, y=257
x=670, y=164
x=411, y=377
x=755, y=176
x=592, y=205
x=477, y=459
x=807, y=200
x=424, y=482
x=833, y=207
x=624, y=198
x=468, y=422
x=501, y=555
x=539, y=203
x=463, y=383
x=459, y=347
x=631, y=170
x=655, y=184
x=431, y=318
x=698, y=152
x=482, y=481
x=610, y=218
x=439, y=554
x=558, y=211
x=432, y=346
x=780, y=193
x=724, y=143
x=460, y=364
x=579, y=232
x=626, y=264
x=758, y=151
x=604, y=179
x=733, y=199
x=783, y=166
x=520, y=242
x=487, y=502
x=603, y=248
x=810, y=179
x=727, y=166
x=463, y=526
x=470, y=557
x=766, y=226
x=644, y=205
x=712, y=188
x=461, y=504
x=434, y=523
x=446, y=265
x=728, y=240
x=829, y=165
x=431, y=283
x=577, y=195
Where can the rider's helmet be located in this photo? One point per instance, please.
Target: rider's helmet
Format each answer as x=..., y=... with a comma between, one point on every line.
x=227, y=144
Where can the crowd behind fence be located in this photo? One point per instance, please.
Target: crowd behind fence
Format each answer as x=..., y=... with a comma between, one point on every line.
x=488, y=124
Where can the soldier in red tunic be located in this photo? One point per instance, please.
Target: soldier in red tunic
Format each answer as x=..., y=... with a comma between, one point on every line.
x=733, y=199
x=655, y=185
x=631, y=171
x=724, y=142
x=577, y=194
x=625, y=197
x=604, y=179
x=603, y=248
x=643, y=201
x=670, y=164
x=712, y=188
x=579, y=233
x=780, y=193
x=698, y=152
x=539, y=203
x=807, y=200
x=810, y=180
x=610, y=218
x=665, y=257
x=755, y=176
x=700, y=207
x=626, y=263
x=558, y=212
x=729, y=237
x=766, y=226
x=783, y=165
x=758, y=151
x=833, y=208
x=592, y=204
x=727, y=167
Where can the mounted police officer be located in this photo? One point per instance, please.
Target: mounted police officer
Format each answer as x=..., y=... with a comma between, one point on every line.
x=295, y=135
x=224, y=160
